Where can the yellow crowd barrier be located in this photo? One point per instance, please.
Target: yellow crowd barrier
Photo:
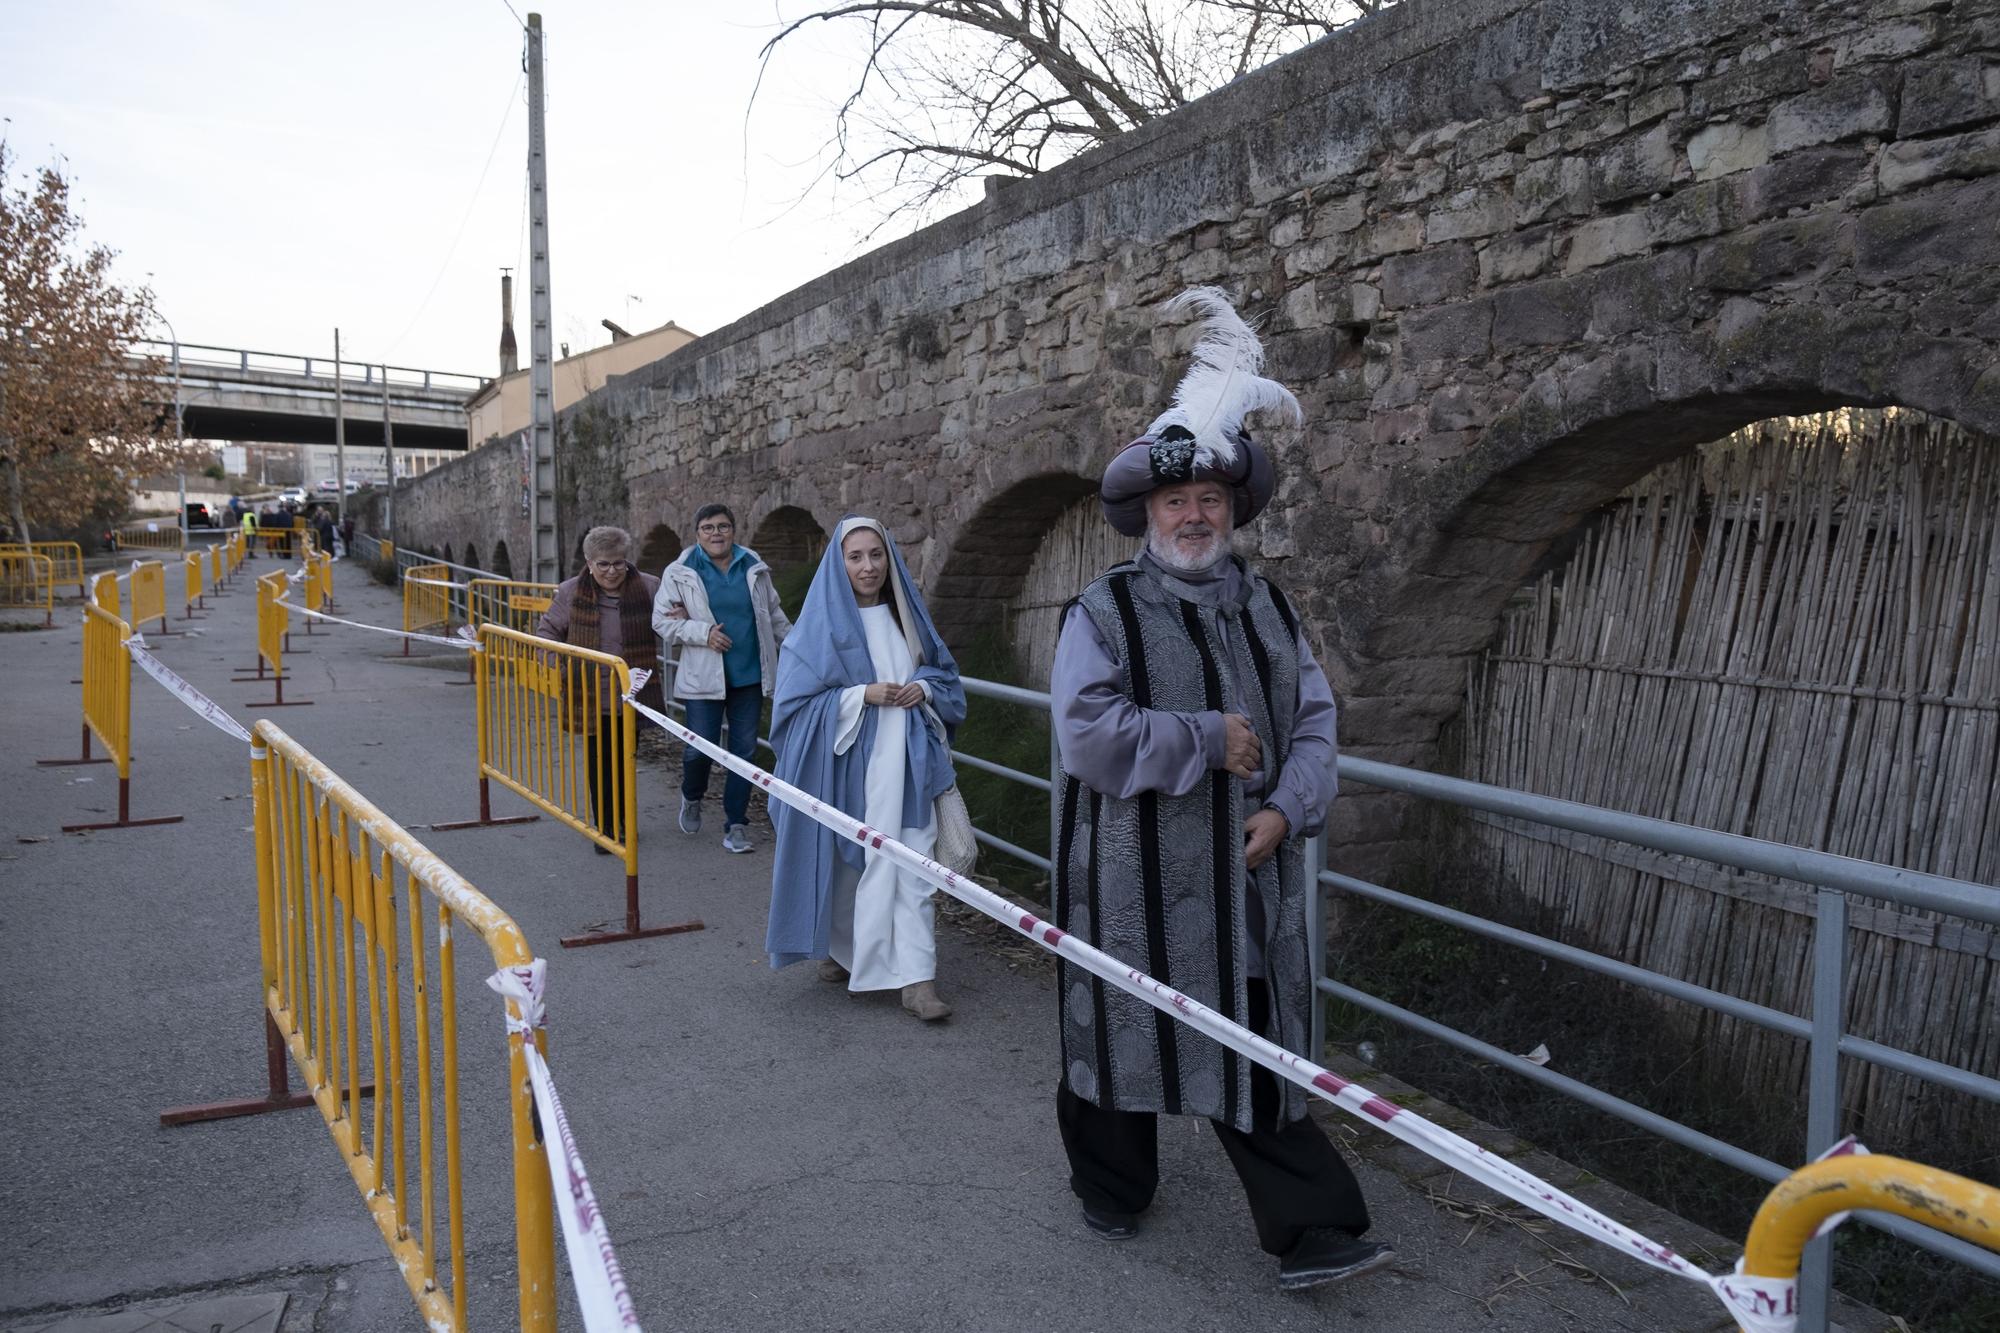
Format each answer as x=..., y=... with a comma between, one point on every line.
x=28, y=582
x=149, y=594
x=107, y=711
x=367, y=1005
x=1798, y=1204
x=218, y=561
x=65, y=557
x=516, y=605
x=310, y=590
x=272, y=621
x=323, y=572
x=553, y=727
x=150, y=536
x=507, y=602
x=104, y=591
x=193, y=568
x=426, y=599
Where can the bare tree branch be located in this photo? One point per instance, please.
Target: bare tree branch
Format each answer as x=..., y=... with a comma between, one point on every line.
x=951, y=90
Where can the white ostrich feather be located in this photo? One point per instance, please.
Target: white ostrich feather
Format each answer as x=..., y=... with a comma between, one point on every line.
x=1222, y=386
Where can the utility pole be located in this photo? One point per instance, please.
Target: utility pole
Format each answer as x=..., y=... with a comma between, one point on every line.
x=181, y=515
x=541, y=378
x=340, y=431
x=389, y=453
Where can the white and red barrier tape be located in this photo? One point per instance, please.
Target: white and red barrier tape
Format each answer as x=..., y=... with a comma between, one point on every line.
x=461, y=642
x=207, y=709
x=593, y=1263
x=601, y=1292
x=1759, y=1304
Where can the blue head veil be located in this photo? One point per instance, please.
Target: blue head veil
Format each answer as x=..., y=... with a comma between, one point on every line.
x=825, y=653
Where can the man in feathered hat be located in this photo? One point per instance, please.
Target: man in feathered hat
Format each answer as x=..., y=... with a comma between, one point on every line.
x=1196, y=735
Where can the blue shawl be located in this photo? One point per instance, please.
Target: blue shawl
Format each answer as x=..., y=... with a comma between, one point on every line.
x=826, y=652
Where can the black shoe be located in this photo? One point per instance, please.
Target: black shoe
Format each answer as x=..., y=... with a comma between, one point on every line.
x=1110, y=1226
x=1324, y=1255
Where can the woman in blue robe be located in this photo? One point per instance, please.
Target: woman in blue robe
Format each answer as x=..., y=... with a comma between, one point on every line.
x=867, y=700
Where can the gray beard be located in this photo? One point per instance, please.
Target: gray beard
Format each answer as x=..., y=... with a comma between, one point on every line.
x=1162, y=548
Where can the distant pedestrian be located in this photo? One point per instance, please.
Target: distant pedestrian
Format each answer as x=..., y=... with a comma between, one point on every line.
x=606, y=607
x=868, y=697
x=249, y=522
x=323, y=531
x=718, y=605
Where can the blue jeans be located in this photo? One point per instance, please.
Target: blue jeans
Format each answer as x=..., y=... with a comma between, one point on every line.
x=744, y=706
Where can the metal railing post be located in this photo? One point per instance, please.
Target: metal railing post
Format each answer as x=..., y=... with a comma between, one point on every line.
x=1829, y=1021
x=1316, y=942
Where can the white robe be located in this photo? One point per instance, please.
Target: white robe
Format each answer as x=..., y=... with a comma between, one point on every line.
x=882, y=915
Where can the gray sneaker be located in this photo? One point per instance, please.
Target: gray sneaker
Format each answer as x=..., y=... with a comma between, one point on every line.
x=736, y=838
x=690, y=816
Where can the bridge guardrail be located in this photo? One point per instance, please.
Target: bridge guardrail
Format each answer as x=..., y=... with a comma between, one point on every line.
x=1824, y=1029
x=246, y=360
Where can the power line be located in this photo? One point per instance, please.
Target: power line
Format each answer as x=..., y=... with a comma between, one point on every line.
x=506, y=115
x=515, y=12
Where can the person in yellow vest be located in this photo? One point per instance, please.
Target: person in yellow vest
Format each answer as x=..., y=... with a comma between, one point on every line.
x=249, y=533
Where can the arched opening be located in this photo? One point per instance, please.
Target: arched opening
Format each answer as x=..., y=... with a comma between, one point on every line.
x=989, y=564
x=660, y=547
x=790, y=541
x=1782, y=628
x=471, y=556
x=789, y=536
x=503, y=564
x=1079, y=546
x=445, y=554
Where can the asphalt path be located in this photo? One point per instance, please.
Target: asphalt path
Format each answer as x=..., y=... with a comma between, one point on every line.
x=770, y=1151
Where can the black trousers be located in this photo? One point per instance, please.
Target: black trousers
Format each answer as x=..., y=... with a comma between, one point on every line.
x=1292, y=1177
x=601, y=763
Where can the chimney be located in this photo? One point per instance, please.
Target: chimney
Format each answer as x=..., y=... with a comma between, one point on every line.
x=510, y=356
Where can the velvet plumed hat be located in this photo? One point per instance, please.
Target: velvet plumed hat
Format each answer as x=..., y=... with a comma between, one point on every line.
x=1201, y=437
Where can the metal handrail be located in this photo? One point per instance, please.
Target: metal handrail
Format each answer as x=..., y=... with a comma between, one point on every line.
x=1823, y=1030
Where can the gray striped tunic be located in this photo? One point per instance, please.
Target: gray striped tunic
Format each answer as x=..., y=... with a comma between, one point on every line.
x=1159, y=880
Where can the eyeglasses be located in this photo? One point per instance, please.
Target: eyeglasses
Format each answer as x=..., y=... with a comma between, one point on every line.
x=607, y=564
x=716, y=529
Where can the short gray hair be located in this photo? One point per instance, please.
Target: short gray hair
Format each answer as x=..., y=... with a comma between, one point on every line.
x=607, y=544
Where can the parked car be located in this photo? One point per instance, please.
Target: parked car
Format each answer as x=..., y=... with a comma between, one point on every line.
x=199, y=516
x=295, y=495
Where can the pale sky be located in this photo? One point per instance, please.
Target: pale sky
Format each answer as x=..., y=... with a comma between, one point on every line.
x=281, y=168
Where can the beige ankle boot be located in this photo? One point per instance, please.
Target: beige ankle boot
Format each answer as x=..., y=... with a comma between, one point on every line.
x=921, y=999
x=831, y=971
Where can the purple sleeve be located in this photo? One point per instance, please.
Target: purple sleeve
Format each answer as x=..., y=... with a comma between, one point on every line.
x=554, y=622
x=1109, y=743
x=1306, y=787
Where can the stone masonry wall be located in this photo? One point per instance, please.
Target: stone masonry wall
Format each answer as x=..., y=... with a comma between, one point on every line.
x=1511, y=254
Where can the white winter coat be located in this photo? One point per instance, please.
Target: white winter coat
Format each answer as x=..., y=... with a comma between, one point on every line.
x=699, y=674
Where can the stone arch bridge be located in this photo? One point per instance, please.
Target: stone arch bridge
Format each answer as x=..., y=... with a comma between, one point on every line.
x=1511, y=254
